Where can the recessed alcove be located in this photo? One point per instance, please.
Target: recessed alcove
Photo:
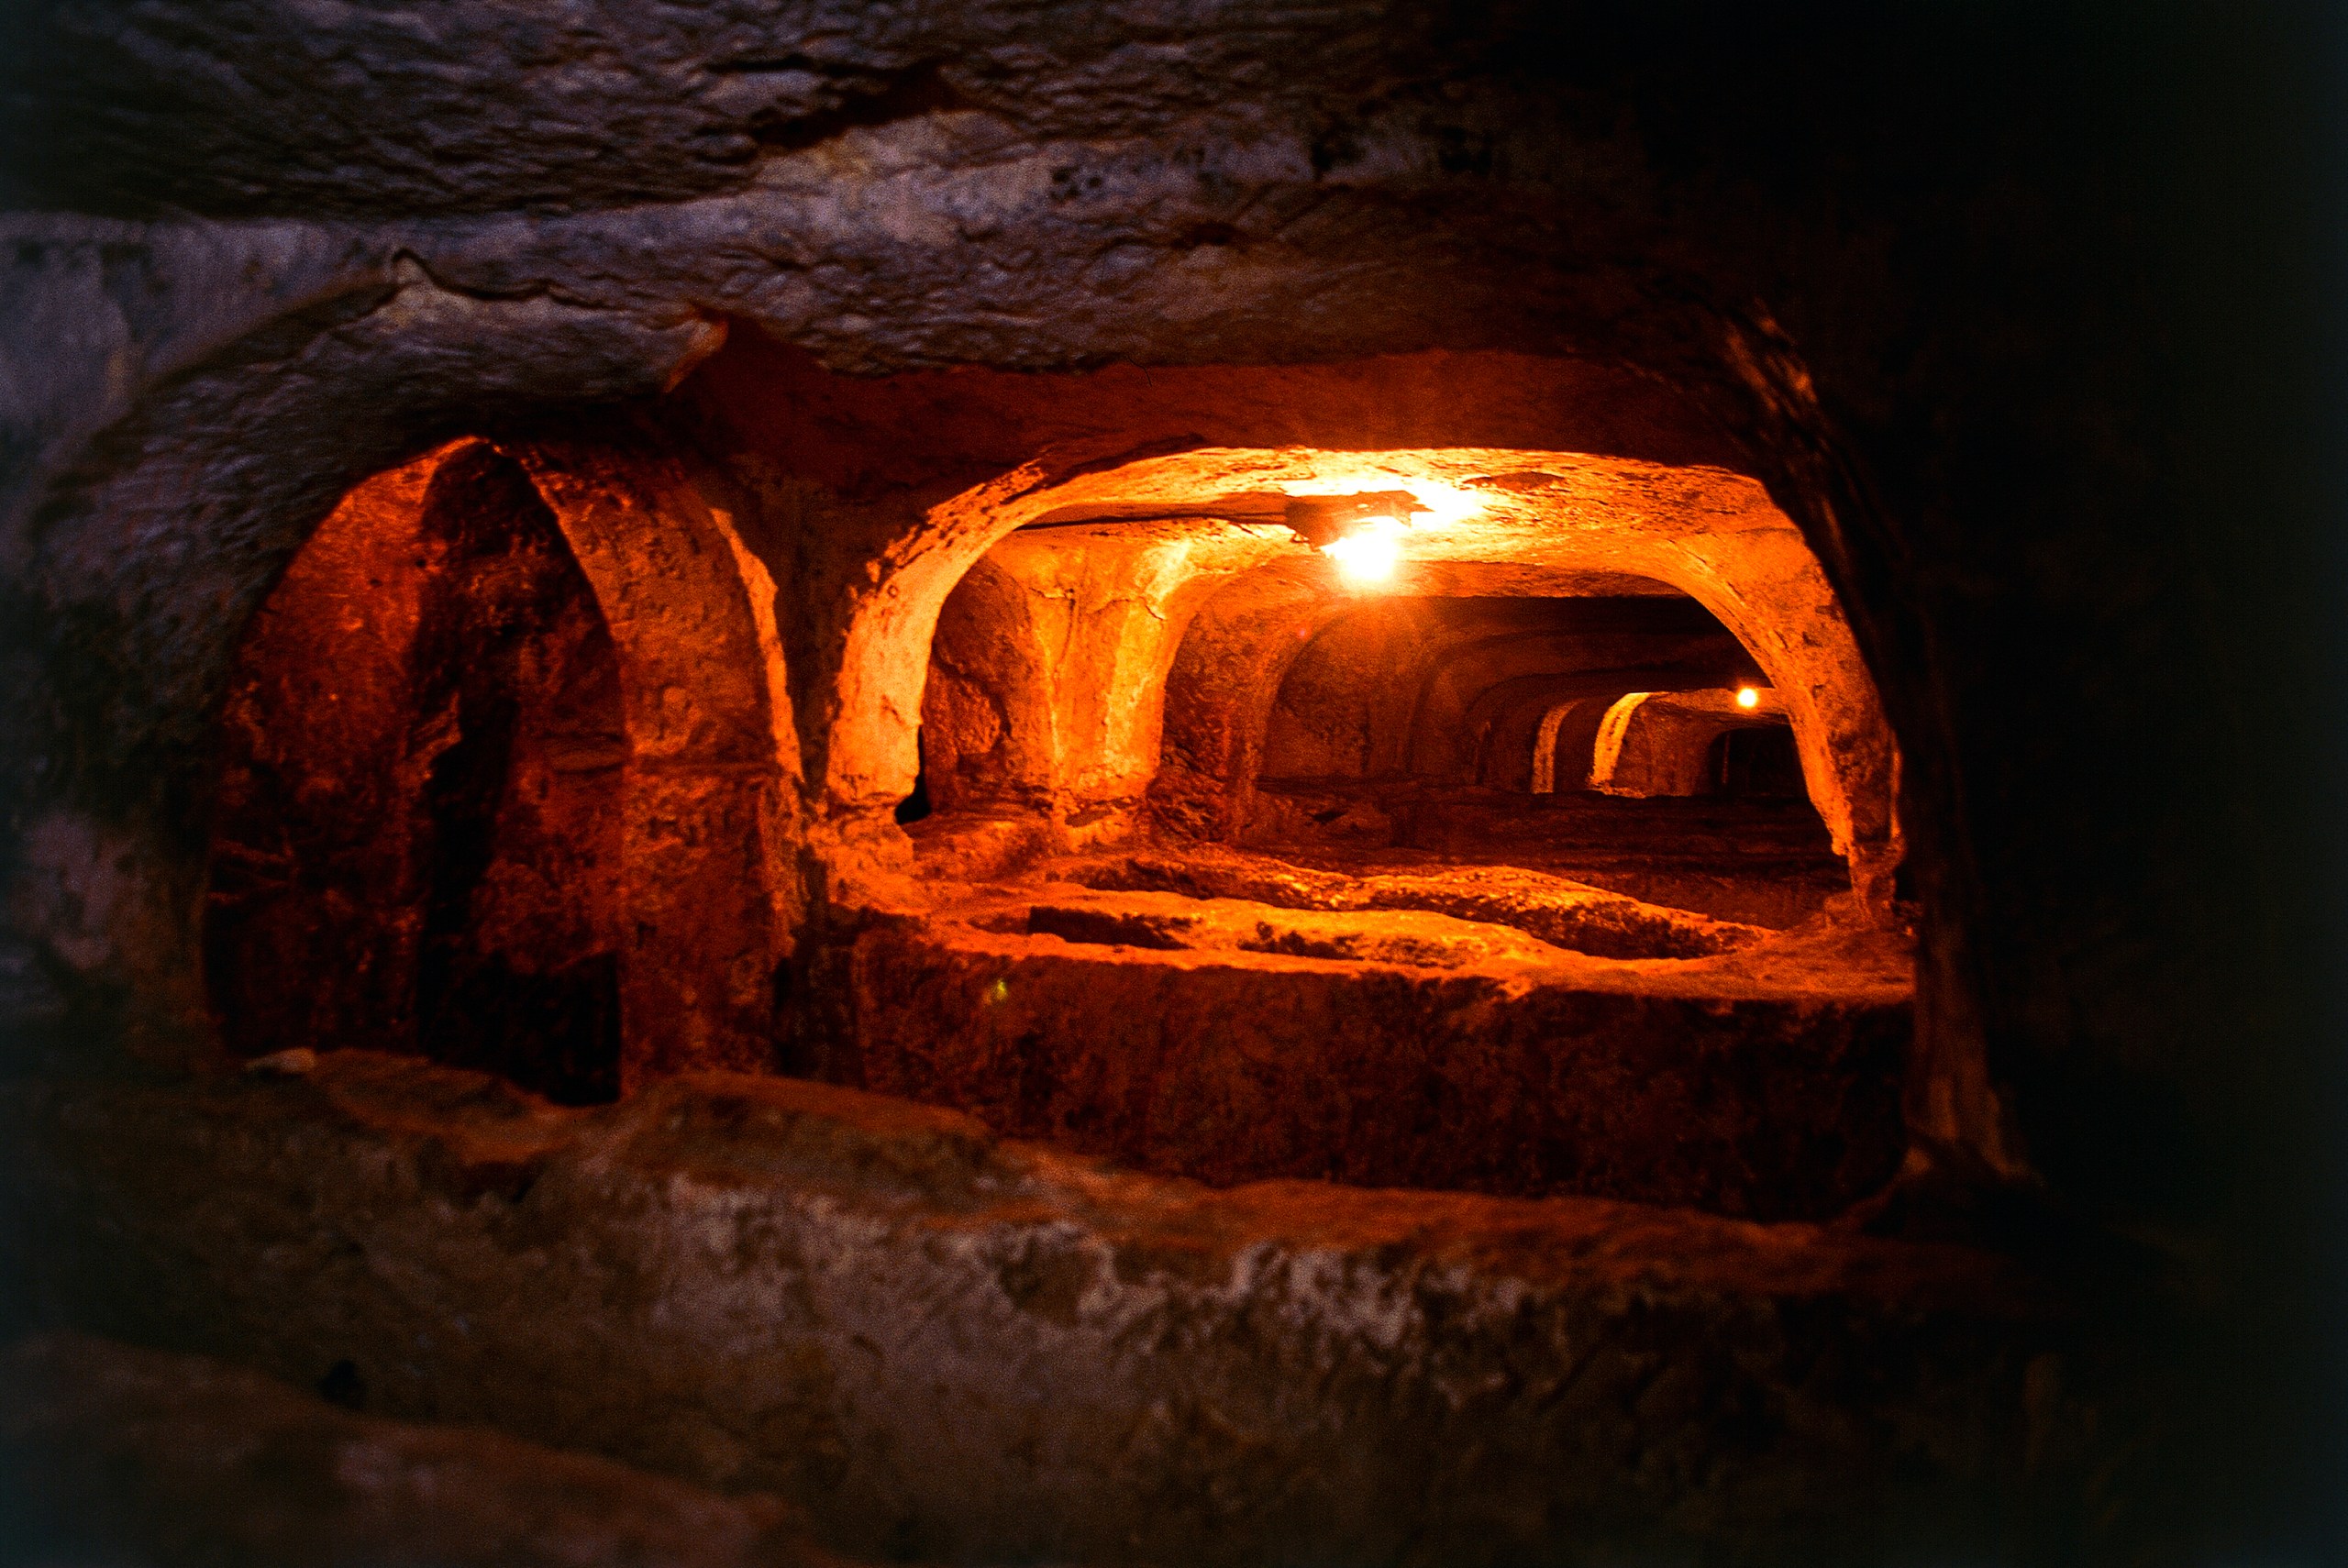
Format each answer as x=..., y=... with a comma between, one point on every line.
x=496, y=783
x=418, y=841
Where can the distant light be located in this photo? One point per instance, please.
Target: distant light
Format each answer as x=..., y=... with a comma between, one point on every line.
x=1747, y=697
x=1369, y=553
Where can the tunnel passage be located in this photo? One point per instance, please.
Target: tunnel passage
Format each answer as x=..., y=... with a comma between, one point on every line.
x=418, y=838
x=1237, y=870
x=1444, y=688
x=1234, y=868
x=1485, y=730
x=1731, y=742
x=1188, y=680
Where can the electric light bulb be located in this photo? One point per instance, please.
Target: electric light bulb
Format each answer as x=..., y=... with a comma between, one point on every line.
x=1747, y=697
x=1370, y=553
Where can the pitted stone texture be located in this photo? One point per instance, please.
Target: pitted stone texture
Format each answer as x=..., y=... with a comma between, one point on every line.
x=1746, y=862
x=247, y=106
x=1171, y=921
x=1588, y=920
x=125, y=1456
x=942, y=1345
x=1231, y=1042
x=1555, y=909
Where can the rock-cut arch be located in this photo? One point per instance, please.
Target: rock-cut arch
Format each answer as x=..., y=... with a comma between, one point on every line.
x=1707, y=533
x=1544, y=781
x=661, y=765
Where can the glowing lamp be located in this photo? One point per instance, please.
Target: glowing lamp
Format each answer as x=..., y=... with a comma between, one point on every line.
x=1362, y=532
x=1369, y=553
x=1747, y=697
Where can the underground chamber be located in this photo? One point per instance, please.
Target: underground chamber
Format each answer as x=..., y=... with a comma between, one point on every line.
x=1026, y=784
x=1491, y=867
x=1277, y=897
x=1129, y=967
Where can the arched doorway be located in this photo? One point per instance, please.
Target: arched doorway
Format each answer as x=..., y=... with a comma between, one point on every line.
x=420, y=827
x=503, y=783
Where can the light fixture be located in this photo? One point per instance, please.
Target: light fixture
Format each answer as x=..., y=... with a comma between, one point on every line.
x=1747, y=697
x=1369, y=552
x=1362, y=532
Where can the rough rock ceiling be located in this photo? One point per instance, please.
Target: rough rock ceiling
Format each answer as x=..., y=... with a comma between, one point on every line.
x=449, y=107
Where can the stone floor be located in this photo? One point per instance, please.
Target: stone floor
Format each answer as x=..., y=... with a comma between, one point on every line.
x=1764, y=863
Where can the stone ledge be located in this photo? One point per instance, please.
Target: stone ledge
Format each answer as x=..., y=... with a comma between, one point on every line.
x=1765, y=1085
x=1557, y=910
x=113, y=1454
x=941, y=1343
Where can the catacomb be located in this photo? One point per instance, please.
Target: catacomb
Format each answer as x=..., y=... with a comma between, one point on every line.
x=1061, y=784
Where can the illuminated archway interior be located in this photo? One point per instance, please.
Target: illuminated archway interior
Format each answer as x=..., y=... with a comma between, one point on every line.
x=1578, y=765
x=1199, y=801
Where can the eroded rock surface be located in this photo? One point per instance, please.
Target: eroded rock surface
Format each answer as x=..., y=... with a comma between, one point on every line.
x=253, y=108
x=1740, y=861
x=942, y=1344
x=1233, y=1041
x=131, y=1457
x=1555, y=909
x=1171, y=921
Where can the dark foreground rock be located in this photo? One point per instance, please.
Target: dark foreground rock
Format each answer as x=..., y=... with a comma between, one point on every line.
x=940, y=1345
x=116, y=1455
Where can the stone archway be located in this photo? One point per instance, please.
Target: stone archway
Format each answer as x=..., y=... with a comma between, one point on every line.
x=1546, y=744
x=1706, y=533
x=551, y=664
x=1661, y=742
x=712, y=774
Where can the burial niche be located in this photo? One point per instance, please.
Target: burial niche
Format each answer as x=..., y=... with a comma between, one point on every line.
x=418, y=836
